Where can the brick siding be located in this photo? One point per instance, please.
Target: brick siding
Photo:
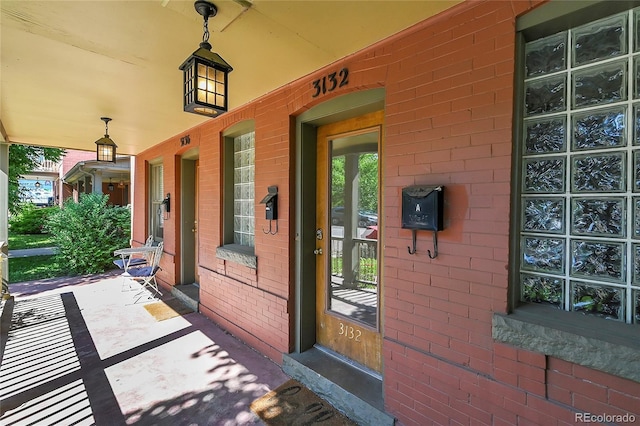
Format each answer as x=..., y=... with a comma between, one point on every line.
x=448, y=120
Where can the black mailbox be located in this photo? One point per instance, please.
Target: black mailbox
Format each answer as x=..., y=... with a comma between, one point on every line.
x=271, y=203
x=422, y=207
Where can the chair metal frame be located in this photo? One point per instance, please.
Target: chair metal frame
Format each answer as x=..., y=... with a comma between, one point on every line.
x=146, y=275
x=128, y=261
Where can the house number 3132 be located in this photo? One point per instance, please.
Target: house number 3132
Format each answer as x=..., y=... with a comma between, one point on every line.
x=330, y=82
x=349, y=332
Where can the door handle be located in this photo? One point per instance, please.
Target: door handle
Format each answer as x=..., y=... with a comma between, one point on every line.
x=317, y=251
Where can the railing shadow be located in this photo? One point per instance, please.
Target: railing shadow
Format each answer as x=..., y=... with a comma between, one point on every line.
x=52, y=373
x=35, y=287
x=358, y=304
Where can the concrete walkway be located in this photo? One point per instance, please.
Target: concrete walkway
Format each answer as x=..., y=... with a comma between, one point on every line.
x=80, y=351
x=42, y=251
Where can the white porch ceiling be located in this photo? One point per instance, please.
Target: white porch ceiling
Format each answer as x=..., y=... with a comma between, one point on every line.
x=65, y=64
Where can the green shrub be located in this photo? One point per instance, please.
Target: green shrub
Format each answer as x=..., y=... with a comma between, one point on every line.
x=31, y=219
x=87, y=233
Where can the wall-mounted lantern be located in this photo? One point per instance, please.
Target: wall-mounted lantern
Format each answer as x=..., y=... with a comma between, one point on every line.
x=205, y=73
x=105, y=147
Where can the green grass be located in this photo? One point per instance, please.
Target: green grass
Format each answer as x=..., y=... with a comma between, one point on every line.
x=27, y=241
x=34, y=268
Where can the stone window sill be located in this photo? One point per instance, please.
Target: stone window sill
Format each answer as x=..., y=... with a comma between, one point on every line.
x=237, y=253
x=603, y=345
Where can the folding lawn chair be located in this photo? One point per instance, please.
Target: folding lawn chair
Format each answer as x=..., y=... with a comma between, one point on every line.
x=146, y=275
x=130, y=259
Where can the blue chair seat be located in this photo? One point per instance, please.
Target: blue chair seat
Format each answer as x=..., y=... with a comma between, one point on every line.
x=136, y=261
x=145, y=271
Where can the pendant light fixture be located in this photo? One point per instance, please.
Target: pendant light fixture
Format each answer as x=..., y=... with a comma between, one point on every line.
x=105, y=147
x=205, y=73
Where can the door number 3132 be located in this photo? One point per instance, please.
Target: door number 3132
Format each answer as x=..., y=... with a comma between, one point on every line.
x=350, y=332
x=331, y=82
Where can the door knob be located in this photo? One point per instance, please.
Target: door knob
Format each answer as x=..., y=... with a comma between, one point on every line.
x=317, y=251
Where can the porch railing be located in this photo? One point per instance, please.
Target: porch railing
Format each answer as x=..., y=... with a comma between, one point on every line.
x=47, y=166
x=365, y=267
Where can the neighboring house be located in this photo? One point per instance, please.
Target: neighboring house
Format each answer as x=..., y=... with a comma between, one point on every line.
x=78, y=172
x=87, y=176
x=529, y=313
x=39, y=186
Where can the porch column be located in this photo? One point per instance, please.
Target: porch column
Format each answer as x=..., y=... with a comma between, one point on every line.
x=350, y=258
x=97, y=182
x=130, y=187
x=4, y=209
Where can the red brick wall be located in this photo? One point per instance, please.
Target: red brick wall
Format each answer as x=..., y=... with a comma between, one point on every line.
x=252, y=304
x=73, y=156
x=448, y=120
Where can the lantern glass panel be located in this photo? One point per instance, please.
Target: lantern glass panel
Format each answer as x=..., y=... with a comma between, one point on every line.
x=204, y=87
x=105, y=153
x=202, y=83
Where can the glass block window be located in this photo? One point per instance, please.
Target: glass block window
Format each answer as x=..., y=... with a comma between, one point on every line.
x=580, y=185
x=243, y=189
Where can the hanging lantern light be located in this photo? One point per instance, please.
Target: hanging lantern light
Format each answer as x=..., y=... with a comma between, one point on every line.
x=105, y=147
x=205, y=73
x=110, y=186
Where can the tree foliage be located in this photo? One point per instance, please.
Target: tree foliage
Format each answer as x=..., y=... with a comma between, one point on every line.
x=22, y=160
x=368, y=181
x=88, y=232
x=368, y=166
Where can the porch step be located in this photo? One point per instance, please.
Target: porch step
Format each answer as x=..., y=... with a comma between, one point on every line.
x=189, y=294
x=350, y=390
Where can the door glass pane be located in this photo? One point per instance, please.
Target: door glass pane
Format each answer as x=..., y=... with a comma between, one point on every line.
x=353, y=287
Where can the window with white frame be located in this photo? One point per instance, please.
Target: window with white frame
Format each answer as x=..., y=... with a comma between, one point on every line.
x=579, y=239
x=156, y=195
x=244, y=189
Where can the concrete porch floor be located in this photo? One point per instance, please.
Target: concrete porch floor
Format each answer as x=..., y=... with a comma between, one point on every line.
x=80, y=351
